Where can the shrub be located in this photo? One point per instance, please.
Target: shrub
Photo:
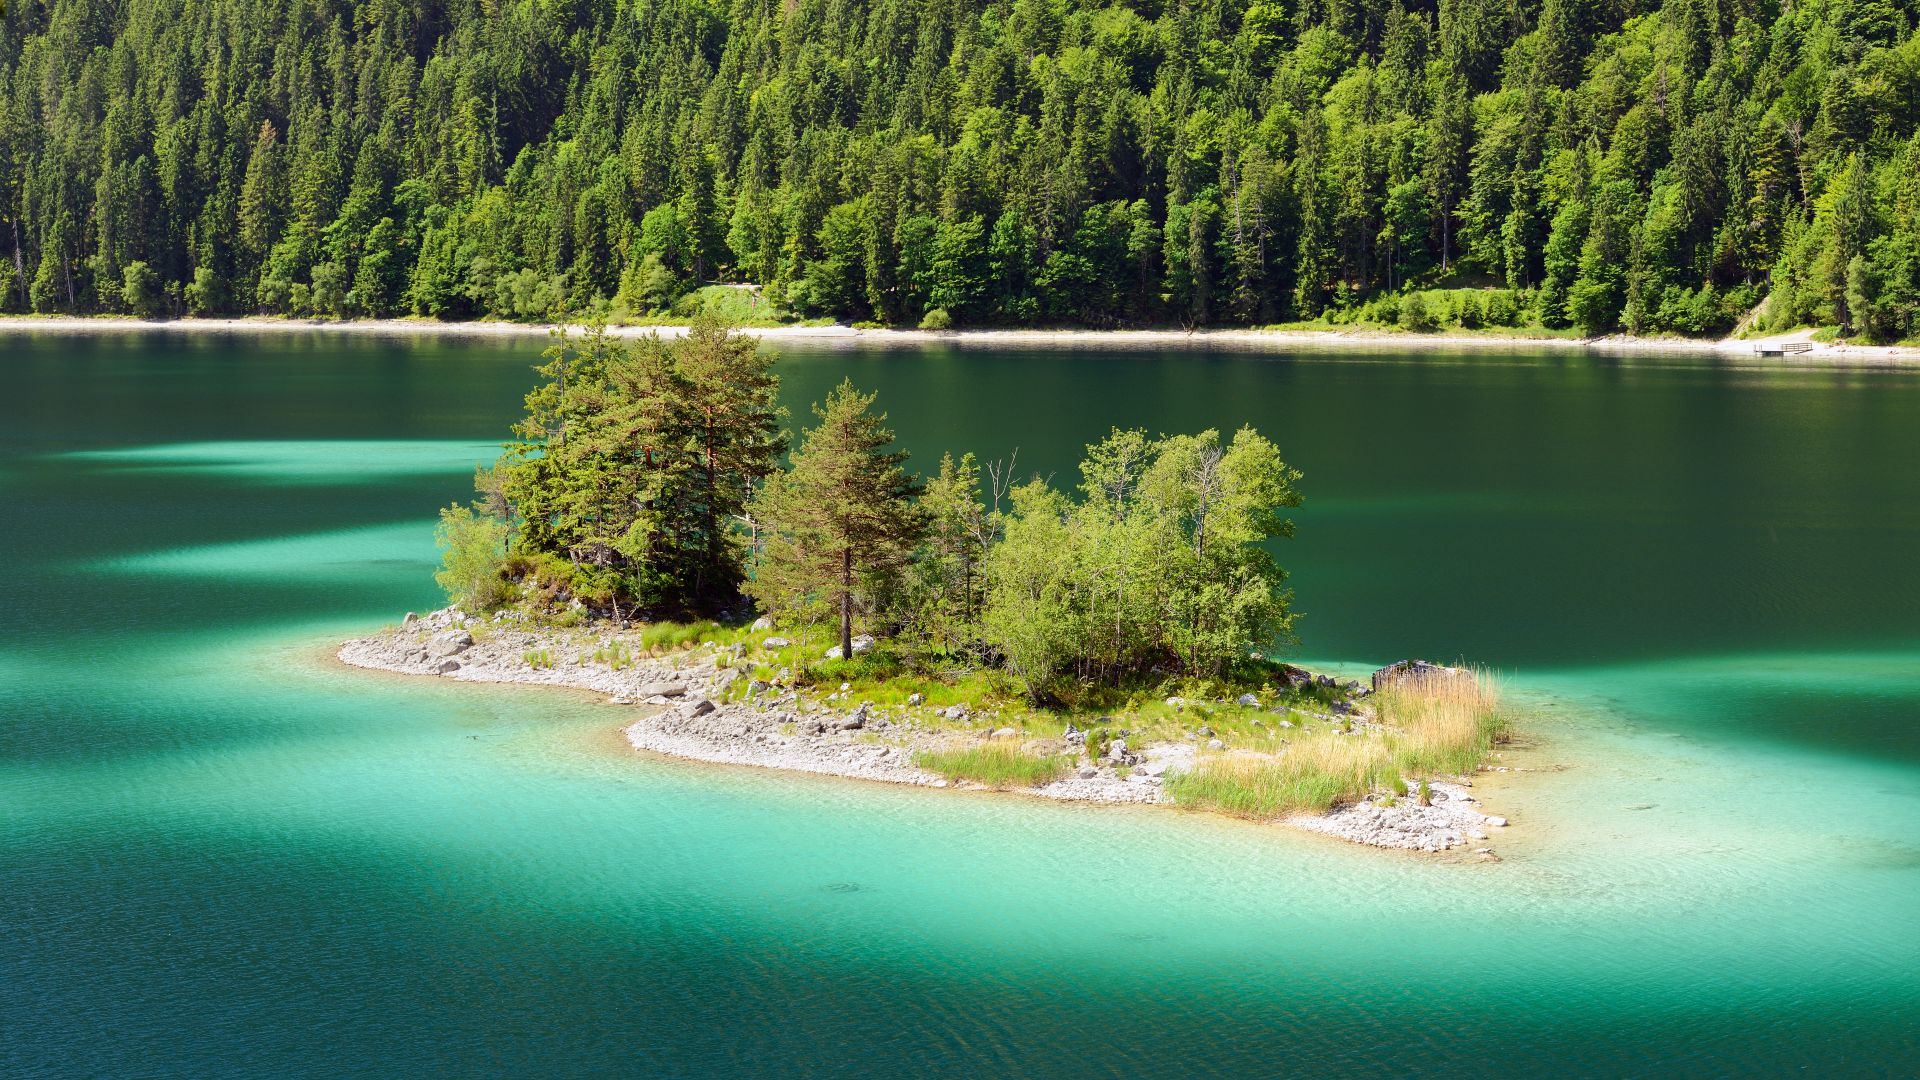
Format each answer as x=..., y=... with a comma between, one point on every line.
x=207, y=293
x=142, y=292
x=1503, y=309
x=936, y=319
x=474, y=555
x=1414, y=314
x=1471, y=316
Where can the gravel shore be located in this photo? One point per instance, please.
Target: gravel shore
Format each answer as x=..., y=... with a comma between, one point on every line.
x=691, y=707
x=1223, y=338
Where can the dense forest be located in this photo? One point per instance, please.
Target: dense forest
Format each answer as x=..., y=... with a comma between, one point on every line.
x=1597, y=164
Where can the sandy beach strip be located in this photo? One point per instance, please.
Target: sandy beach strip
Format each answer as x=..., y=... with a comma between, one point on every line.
x=1244, y=339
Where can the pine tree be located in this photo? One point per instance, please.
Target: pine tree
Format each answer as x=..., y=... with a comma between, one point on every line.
x=840, y=520
x=732, y=422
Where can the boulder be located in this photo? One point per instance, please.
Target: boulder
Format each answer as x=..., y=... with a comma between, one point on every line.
x=1247, y=700
x=449, y=643
x=916, y=699
x=777, y=643
x=446, y=667
x=1004, y=733
x=762, y=623
x=1415, y=671
x=1216, y=744
x=1154, y=768
x=1087, y=772
x=1294, y=678
x=955, y=712
x=660, y=689
x=861, y=644
x=695, y=709
x=726, y=678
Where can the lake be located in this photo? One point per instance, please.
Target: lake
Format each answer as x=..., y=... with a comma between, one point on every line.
x=224, y=855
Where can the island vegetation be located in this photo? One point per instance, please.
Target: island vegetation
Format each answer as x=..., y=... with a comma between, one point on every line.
x=644, y=511
x=1576, y=166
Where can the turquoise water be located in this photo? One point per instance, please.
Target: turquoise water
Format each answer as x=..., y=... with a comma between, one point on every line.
x=224, y=856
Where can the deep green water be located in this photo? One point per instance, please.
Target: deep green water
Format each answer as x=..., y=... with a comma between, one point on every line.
x=221, y=855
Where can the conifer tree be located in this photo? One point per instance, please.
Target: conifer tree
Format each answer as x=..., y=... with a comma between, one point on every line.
x=732, y=420
x=841, y=519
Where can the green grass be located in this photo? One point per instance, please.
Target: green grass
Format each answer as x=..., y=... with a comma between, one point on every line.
x=1308, y=778
x=617, y=655
x=538, y=658
x=997, y=765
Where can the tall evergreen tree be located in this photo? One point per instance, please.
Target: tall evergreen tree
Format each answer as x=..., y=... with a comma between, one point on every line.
x=833, y=527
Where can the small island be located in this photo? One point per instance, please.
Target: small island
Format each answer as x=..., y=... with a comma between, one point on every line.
x=642, y=538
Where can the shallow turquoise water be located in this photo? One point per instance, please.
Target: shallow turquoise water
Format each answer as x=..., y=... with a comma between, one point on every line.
x=223, y=856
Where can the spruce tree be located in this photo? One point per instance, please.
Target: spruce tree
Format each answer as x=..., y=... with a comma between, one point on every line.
x=841, y=519
x=733, y=439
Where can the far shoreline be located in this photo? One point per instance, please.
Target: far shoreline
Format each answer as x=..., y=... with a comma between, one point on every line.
x=1224, y=338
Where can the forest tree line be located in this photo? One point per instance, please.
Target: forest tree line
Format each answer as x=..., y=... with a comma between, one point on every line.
x=1646, y=165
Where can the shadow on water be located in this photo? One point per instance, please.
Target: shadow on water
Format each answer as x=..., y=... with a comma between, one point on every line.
x=219, y=862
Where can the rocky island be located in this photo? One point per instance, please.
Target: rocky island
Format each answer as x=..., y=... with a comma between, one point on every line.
x=654, y=534
x=720, y=702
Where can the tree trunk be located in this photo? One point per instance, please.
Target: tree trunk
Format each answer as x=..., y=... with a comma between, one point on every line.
x=712, y=563
x=20, y=268
x=846, y=603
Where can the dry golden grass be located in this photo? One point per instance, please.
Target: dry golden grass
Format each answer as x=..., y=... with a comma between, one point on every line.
x=1435, y=727
x=1442, y=725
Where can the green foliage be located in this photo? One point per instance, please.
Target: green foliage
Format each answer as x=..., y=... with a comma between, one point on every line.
x=473, y=559
x=944, y=589
x=1414, y=314
x=634, y=463
x=1657, y=167
x=141, y=291
x=936, y=319
x=835, y=529
x=1161, y=564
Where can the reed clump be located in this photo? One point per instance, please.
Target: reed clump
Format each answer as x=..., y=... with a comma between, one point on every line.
x=1442, y=725
x=1437, y=726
